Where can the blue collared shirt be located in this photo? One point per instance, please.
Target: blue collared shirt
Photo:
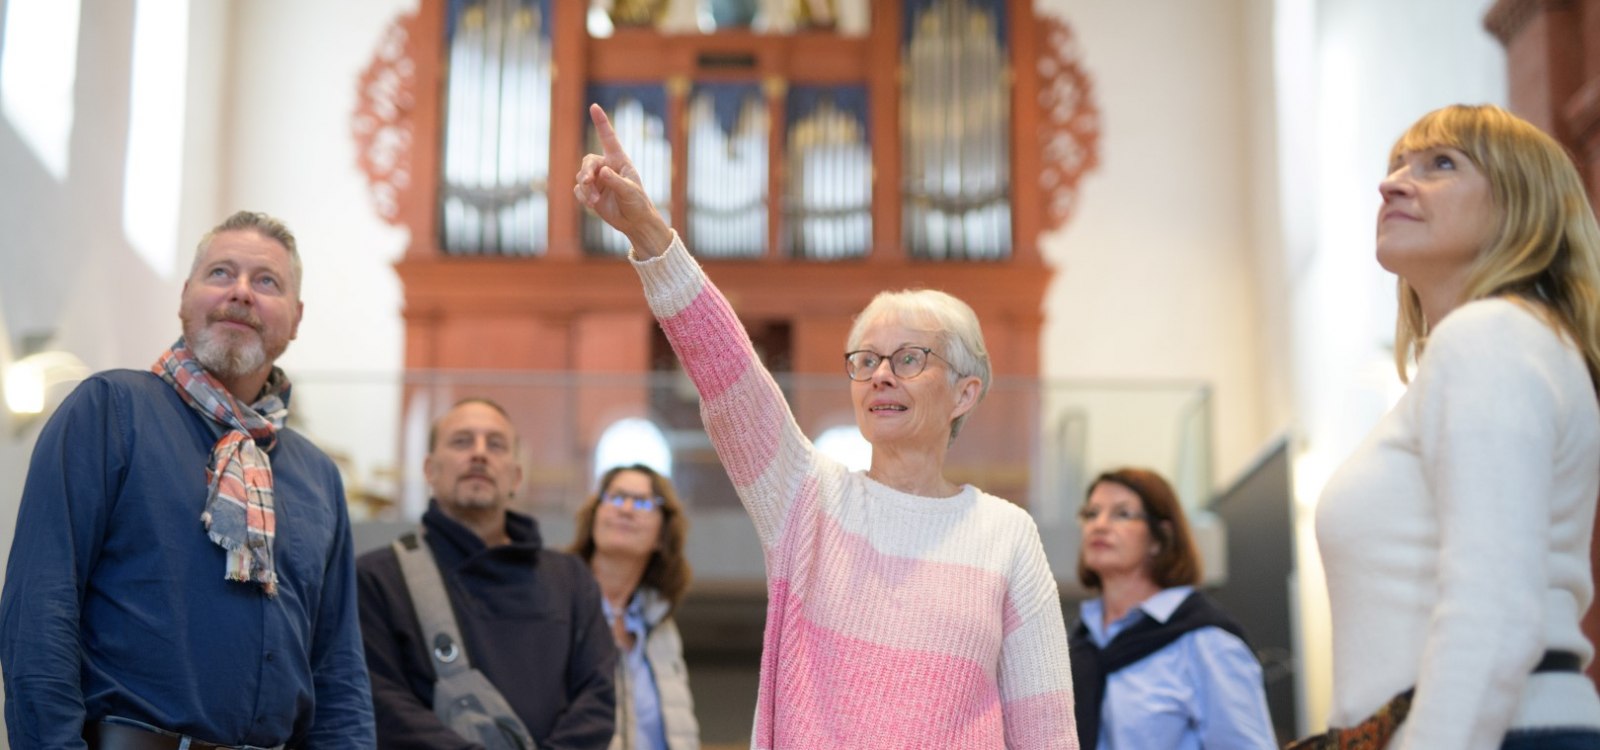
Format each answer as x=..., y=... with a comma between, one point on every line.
x=1203, y=690
x=649, y=731
x=115, y=603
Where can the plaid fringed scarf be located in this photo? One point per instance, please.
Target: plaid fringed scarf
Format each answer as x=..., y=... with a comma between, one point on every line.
x=238, y=514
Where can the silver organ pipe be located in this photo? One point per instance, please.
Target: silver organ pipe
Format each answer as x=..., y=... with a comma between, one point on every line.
x=828, y=207
x=956, y=125
x=497, y=128
x=728, y=160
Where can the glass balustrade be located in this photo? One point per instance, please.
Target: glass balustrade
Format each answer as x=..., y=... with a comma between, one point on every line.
x=1037, y=443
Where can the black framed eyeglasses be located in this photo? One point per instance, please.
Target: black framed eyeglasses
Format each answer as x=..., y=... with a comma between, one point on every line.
x=637, y=502
x=905, y=362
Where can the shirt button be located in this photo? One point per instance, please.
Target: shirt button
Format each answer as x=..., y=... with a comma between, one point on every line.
x=270, y=656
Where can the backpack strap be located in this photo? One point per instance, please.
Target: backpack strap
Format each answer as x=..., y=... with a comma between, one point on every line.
x=432, y=604
x=463, y=698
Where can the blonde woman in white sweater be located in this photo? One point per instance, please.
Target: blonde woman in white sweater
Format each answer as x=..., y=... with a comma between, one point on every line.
x=1456, y=537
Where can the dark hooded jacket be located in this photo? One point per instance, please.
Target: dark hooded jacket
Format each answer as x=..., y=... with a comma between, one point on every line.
x=530, y=619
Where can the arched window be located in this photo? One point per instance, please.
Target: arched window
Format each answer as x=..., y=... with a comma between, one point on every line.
x=632, y=441
x=846, y=445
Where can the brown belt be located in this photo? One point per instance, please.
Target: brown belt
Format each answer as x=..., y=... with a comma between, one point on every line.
x=103, y=735
x=1375, y=731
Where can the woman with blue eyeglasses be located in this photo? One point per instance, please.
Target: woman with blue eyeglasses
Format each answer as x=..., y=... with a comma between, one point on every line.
x=1156, y=663
x=631, y=533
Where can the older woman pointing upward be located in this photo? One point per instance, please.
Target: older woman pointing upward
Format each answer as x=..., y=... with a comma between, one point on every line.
x=904, y=610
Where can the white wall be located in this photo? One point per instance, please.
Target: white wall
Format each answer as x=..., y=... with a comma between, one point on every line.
x=1155, y=275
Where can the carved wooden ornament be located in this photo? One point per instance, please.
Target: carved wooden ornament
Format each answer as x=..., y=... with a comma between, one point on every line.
x=383, y=122
x=1069, y=120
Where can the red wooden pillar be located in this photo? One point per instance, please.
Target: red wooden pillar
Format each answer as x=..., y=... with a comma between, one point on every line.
x=1553, y=67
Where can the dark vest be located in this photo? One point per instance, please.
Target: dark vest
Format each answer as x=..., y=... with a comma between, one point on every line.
x=1091, y=665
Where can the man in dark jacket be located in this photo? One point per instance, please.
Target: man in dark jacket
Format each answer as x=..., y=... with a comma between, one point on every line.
x=530, y=618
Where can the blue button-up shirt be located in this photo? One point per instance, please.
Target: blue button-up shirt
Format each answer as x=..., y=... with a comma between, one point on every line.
x=115, y=604
x=649, y=731
x=1203, y=690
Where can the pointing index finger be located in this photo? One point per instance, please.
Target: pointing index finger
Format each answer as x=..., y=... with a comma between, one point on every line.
x=608, y=136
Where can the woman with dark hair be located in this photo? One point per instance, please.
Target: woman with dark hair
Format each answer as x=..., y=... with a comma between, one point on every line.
x=1156, y=663
x=1456, y=537
x=631, y=533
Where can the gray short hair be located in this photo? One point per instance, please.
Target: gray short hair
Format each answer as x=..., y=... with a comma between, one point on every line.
x=953, y=321
x=262, y=224
x=433, y=429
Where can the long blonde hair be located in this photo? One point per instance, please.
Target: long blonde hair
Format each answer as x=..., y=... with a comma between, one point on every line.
x=1546, y=250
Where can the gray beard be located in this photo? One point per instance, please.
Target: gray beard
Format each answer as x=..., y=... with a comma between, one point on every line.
x=224, y=361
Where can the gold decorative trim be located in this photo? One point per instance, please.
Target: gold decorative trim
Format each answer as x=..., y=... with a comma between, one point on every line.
x=678, y=86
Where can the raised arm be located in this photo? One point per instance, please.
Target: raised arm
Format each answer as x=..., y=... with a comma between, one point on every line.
x=609, y=185
x=771, y=462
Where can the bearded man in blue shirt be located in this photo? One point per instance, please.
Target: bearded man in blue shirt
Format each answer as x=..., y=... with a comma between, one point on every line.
x=182, y=574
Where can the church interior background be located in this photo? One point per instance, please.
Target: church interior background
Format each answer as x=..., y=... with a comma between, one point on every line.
x=1160, y=209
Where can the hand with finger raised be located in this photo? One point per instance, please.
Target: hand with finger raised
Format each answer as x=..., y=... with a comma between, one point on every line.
x=609, y=185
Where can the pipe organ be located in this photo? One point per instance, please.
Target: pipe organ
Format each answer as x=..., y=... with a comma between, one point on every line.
x=808, y=162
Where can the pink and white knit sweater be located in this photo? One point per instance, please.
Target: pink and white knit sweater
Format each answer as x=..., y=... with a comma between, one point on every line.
x=893, y=620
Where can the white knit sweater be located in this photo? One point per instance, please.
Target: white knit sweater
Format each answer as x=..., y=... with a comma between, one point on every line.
x=1456, y=537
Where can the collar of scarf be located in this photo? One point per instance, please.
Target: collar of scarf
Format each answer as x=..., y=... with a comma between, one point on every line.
x=238, y=515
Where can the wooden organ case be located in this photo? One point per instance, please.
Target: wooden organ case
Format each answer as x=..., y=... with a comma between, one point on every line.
x=807, y=170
